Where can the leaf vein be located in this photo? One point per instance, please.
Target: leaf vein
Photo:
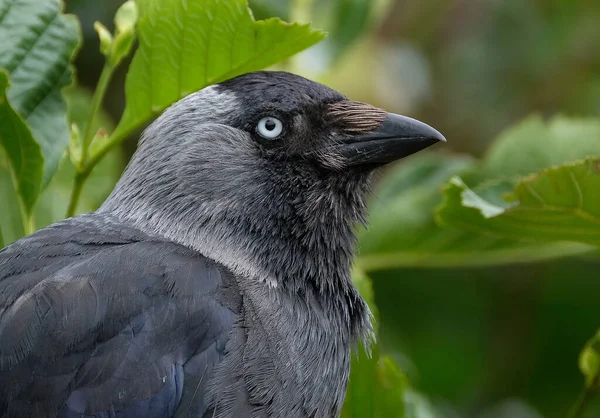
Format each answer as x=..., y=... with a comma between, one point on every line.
x=54, y=85
x=535, y=194
x=35, y=42
x=3, y=16
x=577, y=189
x=578, y=212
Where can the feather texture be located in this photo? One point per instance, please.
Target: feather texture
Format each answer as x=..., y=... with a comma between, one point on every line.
x=97, y=318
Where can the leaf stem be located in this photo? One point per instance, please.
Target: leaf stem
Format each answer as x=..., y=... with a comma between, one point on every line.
x=97, y=99
x=105, y=147
x=75, y=193
x=83, y=169
x=26, y=216
x=585, y=397
x=26, y=219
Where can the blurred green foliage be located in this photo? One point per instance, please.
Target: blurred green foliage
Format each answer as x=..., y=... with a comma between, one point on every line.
x=483, y=315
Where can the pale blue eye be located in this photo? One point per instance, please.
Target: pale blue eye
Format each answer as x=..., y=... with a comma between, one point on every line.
x=269, y=127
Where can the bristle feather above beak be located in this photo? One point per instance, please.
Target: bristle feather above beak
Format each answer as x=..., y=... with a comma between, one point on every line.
x=355, y=117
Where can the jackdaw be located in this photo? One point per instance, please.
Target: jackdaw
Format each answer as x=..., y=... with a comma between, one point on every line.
x=215, y=279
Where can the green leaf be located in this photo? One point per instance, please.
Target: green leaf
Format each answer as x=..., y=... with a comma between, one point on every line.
x=589, y=362
x=185, y=46
x=21, y=150
x=402, y=231
x=534, y=144
x=38, y=43
x=559, y=204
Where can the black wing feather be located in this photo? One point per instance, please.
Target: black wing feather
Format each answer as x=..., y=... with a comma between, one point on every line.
x=98, y=319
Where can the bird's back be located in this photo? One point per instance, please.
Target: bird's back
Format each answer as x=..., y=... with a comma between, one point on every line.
x=100, y=319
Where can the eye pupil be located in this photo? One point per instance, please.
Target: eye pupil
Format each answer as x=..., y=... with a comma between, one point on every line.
x=270, y=124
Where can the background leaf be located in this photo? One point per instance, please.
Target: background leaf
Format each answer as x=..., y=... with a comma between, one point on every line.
x=560, y=204
x=351, y=18
x=21, y=150
x=402, y=231
x=533, y=144
x=185, y=46
x=42, y=42
x=264, y=9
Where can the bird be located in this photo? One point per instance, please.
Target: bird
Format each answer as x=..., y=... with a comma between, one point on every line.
x=215, y=280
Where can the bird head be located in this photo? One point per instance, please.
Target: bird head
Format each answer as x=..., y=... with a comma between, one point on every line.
x=265, y=173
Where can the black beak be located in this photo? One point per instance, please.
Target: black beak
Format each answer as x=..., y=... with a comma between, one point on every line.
x=396, y=137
